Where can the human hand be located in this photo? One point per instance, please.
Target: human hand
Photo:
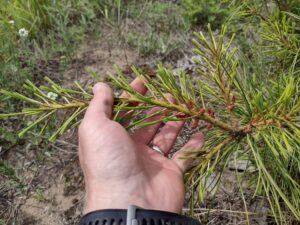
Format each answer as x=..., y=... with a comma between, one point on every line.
x=120, y=169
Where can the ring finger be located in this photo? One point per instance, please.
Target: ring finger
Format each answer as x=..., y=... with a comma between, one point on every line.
x=166, y=137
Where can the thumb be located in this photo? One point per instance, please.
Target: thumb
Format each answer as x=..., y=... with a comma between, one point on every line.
x=101, y=105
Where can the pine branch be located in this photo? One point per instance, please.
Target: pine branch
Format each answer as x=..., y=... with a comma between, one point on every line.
x=255, y=117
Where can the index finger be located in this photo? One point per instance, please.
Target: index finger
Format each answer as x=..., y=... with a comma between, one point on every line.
x=138, y=85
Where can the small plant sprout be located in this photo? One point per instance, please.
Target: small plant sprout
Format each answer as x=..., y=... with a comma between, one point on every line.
x=23, y=33
x=52, y=95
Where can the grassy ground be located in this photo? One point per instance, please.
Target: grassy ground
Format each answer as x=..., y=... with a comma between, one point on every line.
x=40, y=182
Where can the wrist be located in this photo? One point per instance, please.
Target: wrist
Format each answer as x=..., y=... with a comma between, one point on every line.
x=96, y=201
x=93, y=204
x=135, y=215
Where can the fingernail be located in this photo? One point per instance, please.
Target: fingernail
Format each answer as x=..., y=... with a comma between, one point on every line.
x=97, y=87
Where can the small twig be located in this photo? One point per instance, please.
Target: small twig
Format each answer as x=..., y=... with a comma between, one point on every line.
x=66, y=143
x=225, y=211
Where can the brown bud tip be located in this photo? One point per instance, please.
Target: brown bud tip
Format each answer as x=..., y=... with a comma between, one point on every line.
x=253, y=121
x=201, y=111
x=209, y=111
x=213, y=114
x=230, y=107
x=190, y=104
x=181, y=115
x=233, y=99
x=209, y=126
x=194, y=123
x=248, y=129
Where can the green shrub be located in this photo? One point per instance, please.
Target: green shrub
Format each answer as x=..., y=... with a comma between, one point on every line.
x=201, y=12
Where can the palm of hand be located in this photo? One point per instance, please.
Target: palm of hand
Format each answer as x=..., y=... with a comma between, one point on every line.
x=121, y=169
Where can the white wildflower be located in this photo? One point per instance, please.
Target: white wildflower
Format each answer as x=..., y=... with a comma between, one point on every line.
x=12, y=22
x=23, y=33
x=52, y=95
x=14, y=69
